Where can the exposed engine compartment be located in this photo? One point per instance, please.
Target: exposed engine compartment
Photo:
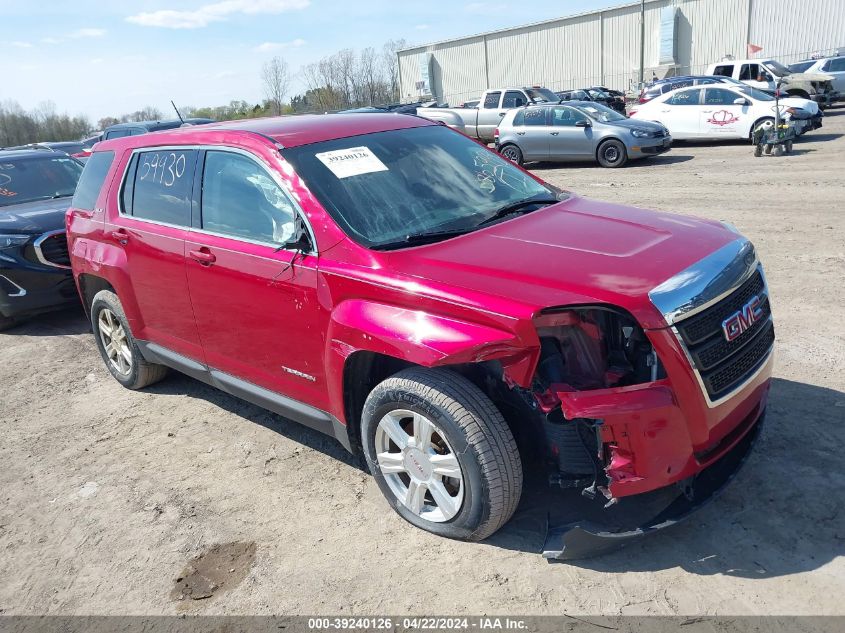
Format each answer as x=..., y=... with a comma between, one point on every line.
x=585, y=349
x=593, y=348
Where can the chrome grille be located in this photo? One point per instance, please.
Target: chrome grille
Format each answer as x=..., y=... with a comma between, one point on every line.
x=724, y=365
x=51, y=249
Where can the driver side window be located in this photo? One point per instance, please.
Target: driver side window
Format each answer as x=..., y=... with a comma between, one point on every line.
x=240, y=199
x=566, y=117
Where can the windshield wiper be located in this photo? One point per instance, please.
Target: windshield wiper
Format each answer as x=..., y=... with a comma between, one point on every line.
x=415, y=239
x=515, y=207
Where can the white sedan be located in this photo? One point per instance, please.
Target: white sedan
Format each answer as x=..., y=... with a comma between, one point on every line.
x=717, y=111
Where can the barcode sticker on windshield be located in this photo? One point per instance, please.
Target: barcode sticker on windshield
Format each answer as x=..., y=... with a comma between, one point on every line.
x=354, y=161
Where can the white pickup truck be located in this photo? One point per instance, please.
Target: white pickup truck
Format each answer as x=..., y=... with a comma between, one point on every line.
x=769, y=74
x=481, y=121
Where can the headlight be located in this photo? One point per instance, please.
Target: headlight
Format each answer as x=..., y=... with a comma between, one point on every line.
x=640, y=133
x=13, y=239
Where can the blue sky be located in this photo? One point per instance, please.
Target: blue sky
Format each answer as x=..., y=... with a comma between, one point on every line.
x=102, y=58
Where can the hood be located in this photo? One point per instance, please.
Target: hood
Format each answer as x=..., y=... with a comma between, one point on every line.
x=575, y=252
x=798, y=102
x=35, y=217
x=798, y=77
x=638, y=123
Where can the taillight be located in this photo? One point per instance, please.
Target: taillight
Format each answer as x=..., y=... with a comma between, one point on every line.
x=631, y=112
x=496, y=134
x=83, y=154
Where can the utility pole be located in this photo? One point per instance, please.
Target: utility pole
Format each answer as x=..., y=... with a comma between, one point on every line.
x=642, y=40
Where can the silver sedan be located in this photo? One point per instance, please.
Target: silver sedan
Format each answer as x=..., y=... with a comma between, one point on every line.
x=578, y=131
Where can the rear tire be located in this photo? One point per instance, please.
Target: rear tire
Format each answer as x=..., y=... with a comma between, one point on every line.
x=117, y=346
x=512, y=153
x=474, y=458
x=612, y=153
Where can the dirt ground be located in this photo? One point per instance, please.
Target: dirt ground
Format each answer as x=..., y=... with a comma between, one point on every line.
x=114, y=501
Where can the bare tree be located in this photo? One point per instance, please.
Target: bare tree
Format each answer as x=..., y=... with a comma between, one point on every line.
x=276, y=80
x=391, y=65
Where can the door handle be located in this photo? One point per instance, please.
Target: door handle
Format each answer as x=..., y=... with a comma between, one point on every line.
x=520, y=133
x=120, y=236
x=203, y=256
x=502, y=113
x=707, y=111
x=554, y=133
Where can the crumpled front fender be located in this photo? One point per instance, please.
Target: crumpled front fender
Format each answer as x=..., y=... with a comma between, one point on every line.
x=419, y=337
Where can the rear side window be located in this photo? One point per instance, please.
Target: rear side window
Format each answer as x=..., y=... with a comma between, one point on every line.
x=158, y=186
x=513, y=99
x=491, y=100
x=685, y=97
x=117, y=133
x=720, y=96
x=92, y=179
x=726, y=70
x=535, y=116
x=836, y=65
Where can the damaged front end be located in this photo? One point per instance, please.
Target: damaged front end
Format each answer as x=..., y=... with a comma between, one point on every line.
x=613, y=430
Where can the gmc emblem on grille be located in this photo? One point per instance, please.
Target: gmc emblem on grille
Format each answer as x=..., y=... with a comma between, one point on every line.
x=743, y=318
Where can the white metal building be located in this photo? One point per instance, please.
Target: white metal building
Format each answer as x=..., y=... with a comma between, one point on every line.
x=604, y=47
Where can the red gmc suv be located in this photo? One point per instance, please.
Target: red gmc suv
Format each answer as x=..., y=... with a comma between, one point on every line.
x=394, y=284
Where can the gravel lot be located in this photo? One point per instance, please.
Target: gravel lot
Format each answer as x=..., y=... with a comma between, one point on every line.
x=108, y=494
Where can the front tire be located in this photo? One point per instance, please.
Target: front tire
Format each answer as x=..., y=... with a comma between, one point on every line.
x=117, y=346
x=760, y=128
x=512, y=153
x=441, y=453
x=612, y=153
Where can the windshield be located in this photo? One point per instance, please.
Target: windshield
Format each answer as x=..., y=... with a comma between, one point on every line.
x=600, y=113
x=754, y=93
x=382, y=187
x=542, y=94
x=37, y=178
x=801, y=67
x=779, y=69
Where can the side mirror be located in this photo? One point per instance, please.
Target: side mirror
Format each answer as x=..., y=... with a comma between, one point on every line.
x=741, y=101
x=583, y=123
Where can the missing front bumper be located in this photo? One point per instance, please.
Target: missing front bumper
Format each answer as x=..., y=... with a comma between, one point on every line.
x=586, y=539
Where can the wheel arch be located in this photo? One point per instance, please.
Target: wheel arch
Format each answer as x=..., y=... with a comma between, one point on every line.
x=606, y=139
x=754, y=125
x=798, y=92
x=89, y=285
x=368, y=341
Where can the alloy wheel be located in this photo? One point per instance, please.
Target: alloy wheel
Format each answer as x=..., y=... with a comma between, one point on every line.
x=115, y=342
x=419, y=465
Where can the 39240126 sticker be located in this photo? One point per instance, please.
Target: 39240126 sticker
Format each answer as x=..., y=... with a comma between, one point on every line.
x=354, y=161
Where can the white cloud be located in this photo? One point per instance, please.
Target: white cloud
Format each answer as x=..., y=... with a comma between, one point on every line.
x=21, y=44
x=421, y=27
x=90, y=32
x=269, y=47
x=216, y=12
